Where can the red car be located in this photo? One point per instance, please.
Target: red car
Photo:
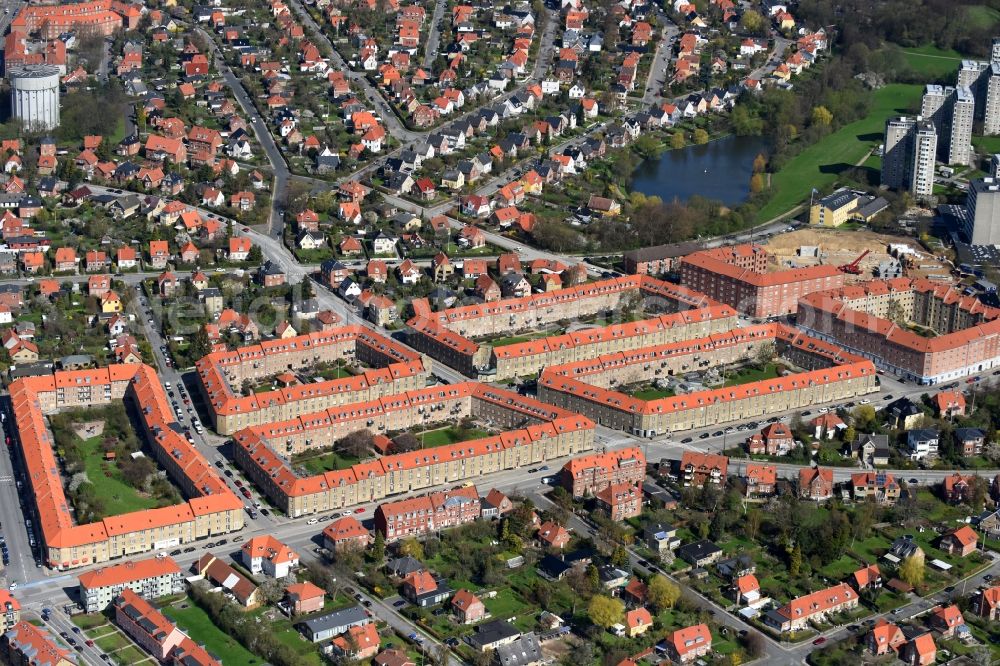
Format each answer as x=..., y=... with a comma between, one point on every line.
x=90, y=643
x=819, y=641
x=246, y=493
x=360, y=509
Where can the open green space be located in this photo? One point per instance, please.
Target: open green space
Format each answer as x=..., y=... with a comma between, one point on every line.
x=196, y=624
x=653, y=393
x=932, y=62
x=111, y=642
x=89, y=620
x=749, y=374
x=450, y=435
x=327, y=462
x=982, y=16
x=130, y=655
x=822, y=163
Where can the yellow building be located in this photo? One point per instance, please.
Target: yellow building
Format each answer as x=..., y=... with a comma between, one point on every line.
x=845, y=205
x=111, y=303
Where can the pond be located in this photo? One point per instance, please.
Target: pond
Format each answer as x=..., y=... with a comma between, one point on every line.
x=717, y=170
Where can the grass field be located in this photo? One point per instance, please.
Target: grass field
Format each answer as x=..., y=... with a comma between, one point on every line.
x=327, y=462
x=747, y=375
x=450, y=435
x=982, y=16
x=932, y=62
x=652, y=393
x=119, y=497
x=196, y=624
x=820, y=164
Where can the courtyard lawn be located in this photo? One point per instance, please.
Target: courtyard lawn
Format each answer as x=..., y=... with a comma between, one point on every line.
x=652, y=393
x=513, y=340
x=747, y=375
x=111, y=642
x=130, y=655
x=196, y=624
x=327, y=462
x=449, y=435
x=334, y=373
x=821, y=164
x=119, y=497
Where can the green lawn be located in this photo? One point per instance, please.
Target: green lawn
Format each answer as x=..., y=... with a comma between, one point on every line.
x=327, y=462
x=119, y=497
x=130, y=655
x=986, y=144
x=514, y=340
x=111, y=642
x=450, y=435
x=982, y=16
x=931, y=61
x=506, y=604
x=89, y=620
x=820, y=164
x=196, y=624
x=747, y=375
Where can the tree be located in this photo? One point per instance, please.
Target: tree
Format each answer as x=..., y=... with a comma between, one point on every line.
x=895, y=312
x=378, y=547
x=405, y=442
x=764, y=354
x=662, y=593
x=821, y=116
x=752, y=523
x=255, y=255
x=754, y=644
x=412, y=548
x=677, y=140
x=700, y=136
x=200, y=344
x=357, y=444
x=757, y=183
x=850, y=433
x=864, y=416
x=795, y=561
x=751, y=21
x=759, y=163
x=605, y=611
x=912, y=569
x=619, y=557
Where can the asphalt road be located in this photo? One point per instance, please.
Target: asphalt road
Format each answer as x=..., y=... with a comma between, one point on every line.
x=434, y=34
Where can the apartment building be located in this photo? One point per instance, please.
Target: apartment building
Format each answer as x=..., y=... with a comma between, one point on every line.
x=538, y=433
x=393, y=369
x=151, y=579
x=857, y=319
x=100, y=17
x=345, y=533
x=145, y=625
x=696, y=469
x=981, y=223
x=951, y=111
x=814, y=607
x=420, y=516
x=212, y=508
x=909, y=152
x=590, y=474
x=448, y=335
x=620, y=500
x=738, y=276
x=589, y=387
x=24, y=644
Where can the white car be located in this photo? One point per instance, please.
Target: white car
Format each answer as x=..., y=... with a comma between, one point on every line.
x=312, y=521
x=866, y=401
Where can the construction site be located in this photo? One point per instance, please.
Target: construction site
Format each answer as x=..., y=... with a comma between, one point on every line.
x=861, y=255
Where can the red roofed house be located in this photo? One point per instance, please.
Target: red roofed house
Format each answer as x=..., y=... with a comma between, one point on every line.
x=305, y=598
x=986, y=603
x=760, y=480
x=775, y=439
x=239, y=249
x=345, y=533
x=959, y=541
x=620, y=500
x=358, y=643
x=885, y=637
x=946, y=619
x=798, y=612
x=746, y=590
x=637, y=621
x=159, y=253
x=950, y=403
x=816, y=483
x=468, y=607
x=868, y=578
x=699, y=468
x=553, y=535
x=267, y=555
x=921, y=651
x=687, y=644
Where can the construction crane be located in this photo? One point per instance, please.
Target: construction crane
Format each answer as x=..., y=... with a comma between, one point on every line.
x=854, y=267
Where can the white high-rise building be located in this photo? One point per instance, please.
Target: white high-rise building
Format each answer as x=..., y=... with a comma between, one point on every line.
x=934, y=104
x=982, y=212
x=921, y=181
x=34, y=96
x=959, y=135
x=991, y=101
